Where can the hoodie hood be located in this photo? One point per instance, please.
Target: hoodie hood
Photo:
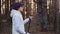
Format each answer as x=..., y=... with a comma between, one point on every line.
x=13, y=12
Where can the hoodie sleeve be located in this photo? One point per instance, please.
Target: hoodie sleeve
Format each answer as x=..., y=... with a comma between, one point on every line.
x=26, y=20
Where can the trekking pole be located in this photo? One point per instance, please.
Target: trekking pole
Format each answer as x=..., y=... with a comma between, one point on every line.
x=29, y=25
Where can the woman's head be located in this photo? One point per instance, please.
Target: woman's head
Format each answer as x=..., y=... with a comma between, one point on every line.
x=18, y=6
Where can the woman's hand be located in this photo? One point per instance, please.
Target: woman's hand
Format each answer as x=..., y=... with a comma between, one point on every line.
x=30, y=17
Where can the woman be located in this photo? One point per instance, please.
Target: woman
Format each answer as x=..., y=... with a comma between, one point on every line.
x=17, y=19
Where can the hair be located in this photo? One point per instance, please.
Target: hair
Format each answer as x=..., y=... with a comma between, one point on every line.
x=17, y=5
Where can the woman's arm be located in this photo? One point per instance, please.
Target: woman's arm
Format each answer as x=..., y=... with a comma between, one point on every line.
x=26, y=20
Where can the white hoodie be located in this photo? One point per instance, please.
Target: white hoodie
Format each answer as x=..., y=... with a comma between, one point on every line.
x=18, y=22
